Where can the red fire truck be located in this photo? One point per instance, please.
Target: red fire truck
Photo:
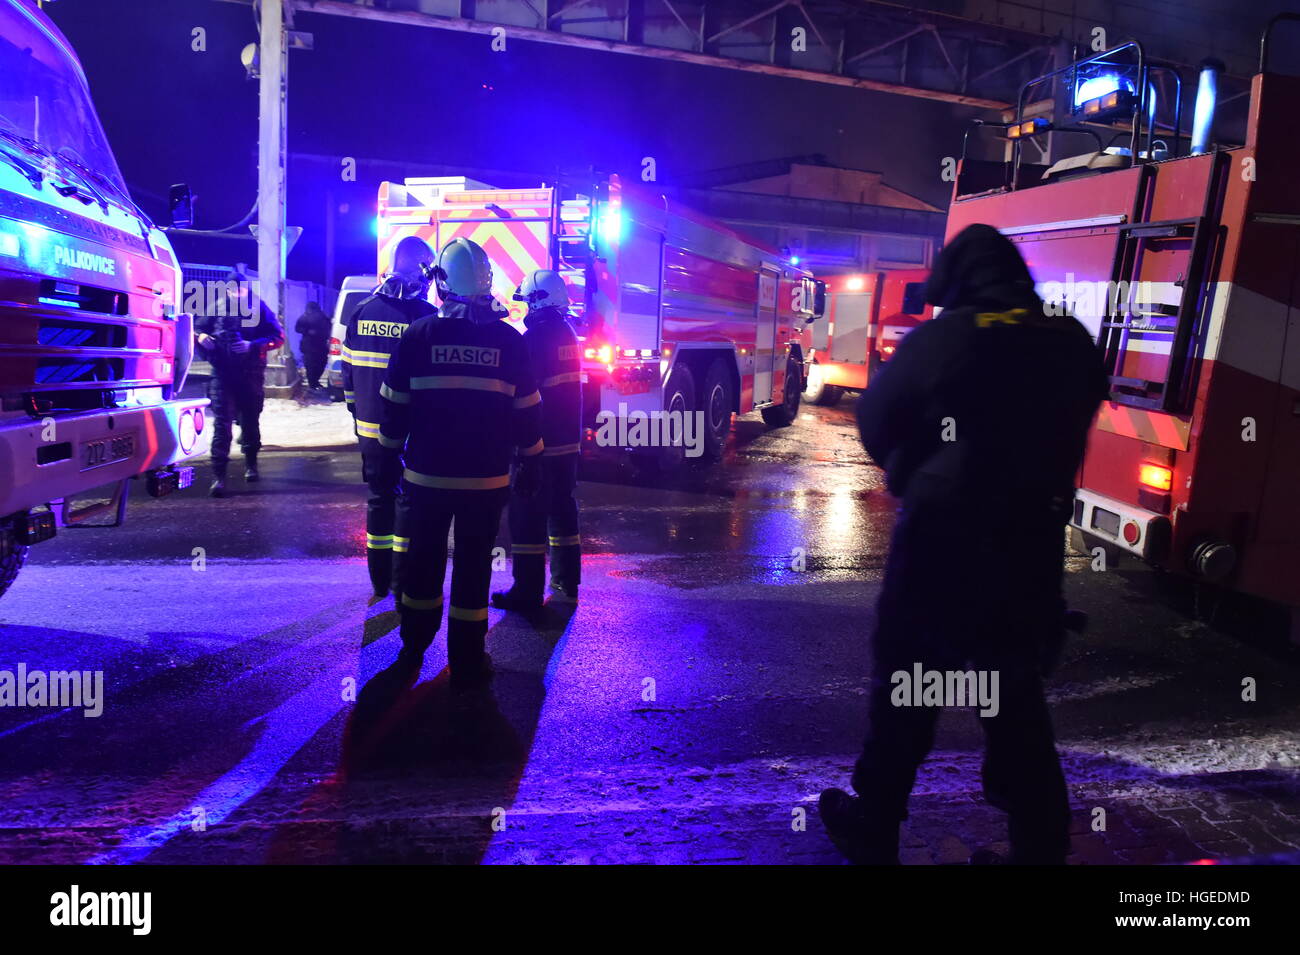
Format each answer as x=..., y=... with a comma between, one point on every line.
x=678, y=313
x=1181, y=257
x=93, y=347
x=866, y=317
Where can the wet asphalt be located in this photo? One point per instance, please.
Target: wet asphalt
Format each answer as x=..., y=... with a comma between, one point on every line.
x=710, y=683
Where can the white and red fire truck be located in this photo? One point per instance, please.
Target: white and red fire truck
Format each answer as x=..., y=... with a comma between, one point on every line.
x=677, y=313
x=866, y=316
x=1181, y=256
x=93, y=347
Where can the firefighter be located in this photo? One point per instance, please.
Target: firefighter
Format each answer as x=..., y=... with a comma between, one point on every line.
x=461, y=403
x=236, y=345
x=373, y=331
x=553, y=351
x=980, y=421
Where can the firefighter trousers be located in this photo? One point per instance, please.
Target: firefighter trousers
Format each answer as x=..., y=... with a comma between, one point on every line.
x=554, y=509
x=424, y=518
x=989, y=610
x=381, y=470
x=236, y=396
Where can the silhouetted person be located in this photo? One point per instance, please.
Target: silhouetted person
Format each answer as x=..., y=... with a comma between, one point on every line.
x=980, y=422
x=314, y=326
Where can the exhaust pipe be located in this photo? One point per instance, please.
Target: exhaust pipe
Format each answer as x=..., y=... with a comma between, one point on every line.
x=1207, y=100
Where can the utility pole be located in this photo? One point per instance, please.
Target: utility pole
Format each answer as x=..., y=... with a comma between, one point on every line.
x=273, y=63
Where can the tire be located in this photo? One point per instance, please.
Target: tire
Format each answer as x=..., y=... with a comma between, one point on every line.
x=679, y=395
x=816, y=391
x=783, y=415
x=12, y=556
x=717, y=402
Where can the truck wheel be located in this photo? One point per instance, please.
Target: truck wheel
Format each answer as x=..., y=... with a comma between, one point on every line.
x=779, y=416
x=679, y=395
x=815, y=389
x=12, y=555
x=718, y=404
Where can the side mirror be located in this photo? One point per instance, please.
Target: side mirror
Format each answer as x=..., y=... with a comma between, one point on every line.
x=819, y=301
x=180, y=205
x=914, y=298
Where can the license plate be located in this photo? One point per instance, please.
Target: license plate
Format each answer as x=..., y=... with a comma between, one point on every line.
x=1105, y=521
x=96, y=454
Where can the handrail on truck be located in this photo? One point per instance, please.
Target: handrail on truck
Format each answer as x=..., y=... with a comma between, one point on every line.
x=1138, y=111
x=1266, y=37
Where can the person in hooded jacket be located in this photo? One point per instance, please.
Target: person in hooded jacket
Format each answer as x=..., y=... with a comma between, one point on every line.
x=314, y=327
x=980, y=422
x=373, y=330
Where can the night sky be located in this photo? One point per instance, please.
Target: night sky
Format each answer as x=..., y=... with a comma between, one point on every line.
x=377, y=91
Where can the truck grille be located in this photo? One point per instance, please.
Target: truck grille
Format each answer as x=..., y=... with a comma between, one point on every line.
x=68, y=333
x=57, y=371
x=85, y=298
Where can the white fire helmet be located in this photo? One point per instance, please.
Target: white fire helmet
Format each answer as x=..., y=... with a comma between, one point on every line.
x=463, y=272
x=412, y=260
x=543, y=288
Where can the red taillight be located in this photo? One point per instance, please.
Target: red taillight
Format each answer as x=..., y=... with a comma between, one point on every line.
x=1132, y=532
x=1156, y=476
x=336, y=346
x=600, y=353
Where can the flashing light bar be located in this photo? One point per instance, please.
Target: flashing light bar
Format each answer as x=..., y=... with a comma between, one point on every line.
x=479, y=196
x=1030, y=127
x=1116, y=101
x=610, y=225
x=1096, y=87
x=607, y=354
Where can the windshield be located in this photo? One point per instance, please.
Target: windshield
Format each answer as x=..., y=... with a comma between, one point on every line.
x=43, y=97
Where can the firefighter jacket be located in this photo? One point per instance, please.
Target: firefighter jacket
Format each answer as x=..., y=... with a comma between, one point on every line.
x=372, y=333
x=553, y=351
x=460, y=398
x=986, y=406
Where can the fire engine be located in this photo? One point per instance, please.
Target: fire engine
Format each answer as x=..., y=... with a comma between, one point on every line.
x=677, y=313
x=866, y=317
x=93, y=347
x=1182, y=262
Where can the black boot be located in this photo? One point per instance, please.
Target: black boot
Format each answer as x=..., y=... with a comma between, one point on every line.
x=861, y=840
x=218, y=488
x=379, y=561
x=525, y=594
x=517, y=600
x=250, y=467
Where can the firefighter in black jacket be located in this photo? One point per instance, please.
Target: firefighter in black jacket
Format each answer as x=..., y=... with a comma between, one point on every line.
x=980, y=422
x=235, y=340
x=553, y=351
x=373, y=331
x=461, y=403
